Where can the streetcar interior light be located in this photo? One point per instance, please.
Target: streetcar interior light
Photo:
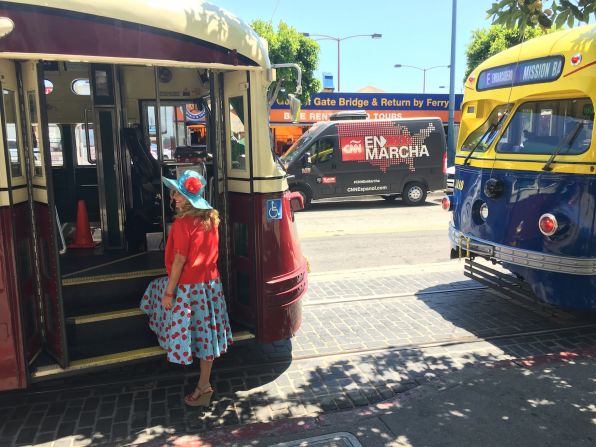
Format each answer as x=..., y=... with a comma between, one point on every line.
x=548, y=224
x=484, y=211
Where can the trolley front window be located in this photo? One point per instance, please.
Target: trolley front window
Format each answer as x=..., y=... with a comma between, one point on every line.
x=481, y=138
x=545, y=127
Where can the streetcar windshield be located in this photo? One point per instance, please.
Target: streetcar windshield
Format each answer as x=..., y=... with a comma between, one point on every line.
x=543, y=127
x=481, y=138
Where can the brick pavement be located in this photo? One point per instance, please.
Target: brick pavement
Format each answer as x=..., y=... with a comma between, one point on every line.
x=144, y=402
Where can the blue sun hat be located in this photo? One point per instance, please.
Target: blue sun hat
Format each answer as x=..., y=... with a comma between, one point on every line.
x=191, y=185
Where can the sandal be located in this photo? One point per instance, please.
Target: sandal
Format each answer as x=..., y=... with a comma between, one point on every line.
x=202, y=399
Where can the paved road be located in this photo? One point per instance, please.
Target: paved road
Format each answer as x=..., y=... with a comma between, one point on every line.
x=371, y=232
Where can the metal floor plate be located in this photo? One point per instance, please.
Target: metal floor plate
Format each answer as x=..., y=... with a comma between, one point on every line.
x=339, y=439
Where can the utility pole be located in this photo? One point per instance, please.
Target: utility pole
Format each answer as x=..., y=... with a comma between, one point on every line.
x=451, y=128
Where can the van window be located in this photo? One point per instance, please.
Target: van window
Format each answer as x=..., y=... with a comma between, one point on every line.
x=323, y=150
x=297, y=149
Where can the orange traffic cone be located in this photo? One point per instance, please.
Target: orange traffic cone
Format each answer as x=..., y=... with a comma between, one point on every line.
x=83, y=237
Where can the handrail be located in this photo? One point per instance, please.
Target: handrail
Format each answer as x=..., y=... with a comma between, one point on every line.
x=61, y=233
x=87, y=139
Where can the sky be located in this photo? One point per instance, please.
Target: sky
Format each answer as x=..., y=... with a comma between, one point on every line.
x=415, y=32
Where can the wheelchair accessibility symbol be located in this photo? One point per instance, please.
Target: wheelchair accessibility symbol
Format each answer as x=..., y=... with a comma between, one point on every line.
x=274, y=209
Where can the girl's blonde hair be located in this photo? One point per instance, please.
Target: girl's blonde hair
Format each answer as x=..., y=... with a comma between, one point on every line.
x=207, y=218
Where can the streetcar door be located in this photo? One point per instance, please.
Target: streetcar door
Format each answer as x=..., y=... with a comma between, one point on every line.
x=242, y=256
x=35, y=137
x=16, y=217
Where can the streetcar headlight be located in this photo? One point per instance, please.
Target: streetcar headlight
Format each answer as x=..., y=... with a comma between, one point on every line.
x=548, y=224
x=493, y=188
x=484, y=211
x=447, y=203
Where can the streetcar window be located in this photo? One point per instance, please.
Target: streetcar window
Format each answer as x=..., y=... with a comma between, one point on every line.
x=81, y=87
x=48, y=86
x=480, y=139
x=35, y=133
x=173, y=127
x=85, y=152
x=13, y=137
x=56, y=151
x=543, y=127
x=238, y=137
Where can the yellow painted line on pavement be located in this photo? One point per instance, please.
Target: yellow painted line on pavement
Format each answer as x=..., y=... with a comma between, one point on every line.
x=375, y=230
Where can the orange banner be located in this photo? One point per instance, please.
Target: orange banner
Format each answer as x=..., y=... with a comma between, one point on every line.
x=312, y=116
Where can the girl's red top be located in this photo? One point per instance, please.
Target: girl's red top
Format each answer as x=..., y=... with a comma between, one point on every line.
x=199, y=246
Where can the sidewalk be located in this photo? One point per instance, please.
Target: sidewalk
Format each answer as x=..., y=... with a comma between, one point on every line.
x=543, y=401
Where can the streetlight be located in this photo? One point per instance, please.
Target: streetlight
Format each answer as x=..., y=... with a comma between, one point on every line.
x=338, y=40
x=424, y=70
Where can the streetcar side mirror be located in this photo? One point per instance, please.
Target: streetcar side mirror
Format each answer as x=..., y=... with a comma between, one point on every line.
x=294, y=108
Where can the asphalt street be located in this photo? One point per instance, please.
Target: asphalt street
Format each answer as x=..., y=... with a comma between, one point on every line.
x=372, y=232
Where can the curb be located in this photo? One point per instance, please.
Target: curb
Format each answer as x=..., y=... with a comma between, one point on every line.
x=288, y=426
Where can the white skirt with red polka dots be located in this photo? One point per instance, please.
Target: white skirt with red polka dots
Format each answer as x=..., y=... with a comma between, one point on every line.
x=197, y=325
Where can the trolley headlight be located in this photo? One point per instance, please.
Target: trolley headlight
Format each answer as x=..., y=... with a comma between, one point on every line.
x=483, y=211
x=548, y=224
x=447, y=203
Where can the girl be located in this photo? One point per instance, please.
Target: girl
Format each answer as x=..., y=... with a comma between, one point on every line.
x=187, y=309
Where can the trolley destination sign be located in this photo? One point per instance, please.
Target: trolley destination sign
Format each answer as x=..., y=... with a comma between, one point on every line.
x=545, y=69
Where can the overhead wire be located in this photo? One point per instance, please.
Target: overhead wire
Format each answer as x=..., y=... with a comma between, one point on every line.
x=274, y=11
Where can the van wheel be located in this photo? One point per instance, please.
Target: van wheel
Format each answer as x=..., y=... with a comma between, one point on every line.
x=414, y=193
x=389, y=197
x=306, y=197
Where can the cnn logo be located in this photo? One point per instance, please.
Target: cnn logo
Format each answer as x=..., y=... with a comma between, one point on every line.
x=352, y=149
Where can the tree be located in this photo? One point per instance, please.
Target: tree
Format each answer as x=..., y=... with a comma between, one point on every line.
x=287, y=45
x=487, y=42
x=522, y=13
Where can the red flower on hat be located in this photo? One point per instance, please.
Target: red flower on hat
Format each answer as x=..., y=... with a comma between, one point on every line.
x=193, y=185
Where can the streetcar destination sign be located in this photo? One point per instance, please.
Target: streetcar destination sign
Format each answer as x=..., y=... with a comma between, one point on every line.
x=544, y=69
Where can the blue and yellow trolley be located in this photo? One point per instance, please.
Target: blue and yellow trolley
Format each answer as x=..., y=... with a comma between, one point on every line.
x=525, y=188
